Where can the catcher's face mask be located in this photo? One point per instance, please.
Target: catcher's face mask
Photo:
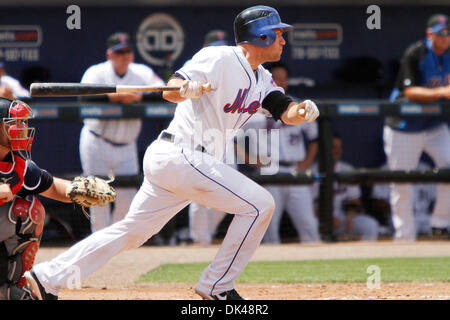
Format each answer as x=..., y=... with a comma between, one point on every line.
x=20, y=136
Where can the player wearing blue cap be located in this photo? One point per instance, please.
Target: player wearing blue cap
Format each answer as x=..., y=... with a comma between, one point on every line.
x=186, y=164
x=424, y=77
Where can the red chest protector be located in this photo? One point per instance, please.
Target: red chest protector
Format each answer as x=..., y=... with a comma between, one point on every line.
x=13, y=173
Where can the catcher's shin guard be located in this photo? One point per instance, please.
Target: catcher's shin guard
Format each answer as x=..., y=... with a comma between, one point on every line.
x=19, y=250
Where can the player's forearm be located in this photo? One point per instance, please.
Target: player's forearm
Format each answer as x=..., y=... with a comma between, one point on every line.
x=173, y=96
x=422, y=94
x=57, y=191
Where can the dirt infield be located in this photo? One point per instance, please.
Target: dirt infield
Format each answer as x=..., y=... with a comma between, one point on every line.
x=116, y=280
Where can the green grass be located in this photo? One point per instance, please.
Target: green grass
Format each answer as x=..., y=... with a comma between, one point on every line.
x=337, y=270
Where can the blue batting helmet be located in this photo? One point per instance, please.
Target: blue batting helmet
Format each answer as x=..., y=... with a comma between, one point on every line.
x=255, y=25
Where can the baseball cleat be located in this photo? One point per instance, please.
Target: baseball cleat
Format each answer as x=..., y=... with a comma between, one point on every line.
x=227, y=295
x=37, y=287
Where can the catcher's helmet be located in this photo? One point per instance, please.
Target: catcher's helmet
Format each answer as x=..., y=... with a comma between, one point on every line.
x=15, y=115
x=255, y=25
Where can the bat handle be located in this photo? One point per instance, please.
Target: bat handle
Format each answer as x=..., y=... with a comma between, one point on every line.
x=206, y=87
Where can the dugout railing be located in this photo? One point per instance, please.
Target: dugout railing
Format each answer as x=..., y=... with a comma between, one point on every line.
x=329, y=110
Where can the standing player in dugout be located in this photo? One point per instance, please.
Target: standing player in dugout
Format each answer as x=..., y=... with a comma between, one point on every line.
x=180, y=166
x=424, y=77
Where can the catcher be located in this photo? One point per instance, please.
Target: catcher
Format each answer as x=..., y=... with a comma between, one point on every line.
x=21, y=212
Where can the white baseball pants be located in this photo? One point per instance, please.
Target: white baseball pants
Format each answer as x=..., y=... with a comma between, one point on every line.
x=99, y=157
x=175, y=176
x=203, y=222
x=403, y=152
x=298, y=202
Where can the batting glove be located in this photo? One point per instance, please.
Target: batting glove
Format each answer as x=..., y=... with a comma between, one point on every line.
x=310, y=112
x=191, y=90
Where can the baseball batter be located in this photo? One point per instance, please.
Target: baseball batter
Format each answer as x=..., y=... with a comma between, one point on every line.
x=184, y=164
x=110, y=145
x=424, y=77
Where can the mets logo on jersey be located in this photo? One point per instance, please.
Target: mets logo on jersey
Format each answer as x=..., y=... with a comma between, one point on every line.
x=238, y=104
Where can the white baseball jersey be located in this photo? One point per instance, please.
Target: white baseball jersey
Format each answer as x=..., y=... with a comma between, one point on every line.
x=234, y=98
x=16, y=87
x=122, y=130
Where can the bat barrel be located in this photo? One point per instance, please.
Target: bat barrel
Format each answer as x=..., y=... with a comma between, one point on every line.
x=69, y=89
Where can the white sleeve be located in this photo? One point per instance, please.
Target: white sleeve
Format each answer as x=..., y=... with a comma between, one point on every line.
x=269, y=83
x=20, y=91
x=151, y=78
x=207, y=65
x=16, y=87
x=269, y=86
x=91, y=75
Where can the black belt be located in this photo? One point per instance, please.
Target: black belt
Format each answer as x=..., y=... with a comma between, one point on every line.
x=115, y=144
x=171, y=138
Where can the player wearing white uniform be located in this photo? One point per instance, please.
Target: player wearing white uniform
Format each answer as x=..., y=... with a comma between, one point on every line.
x=183, y=165
x=111, y=145
x=347, y=214
x=203, y=221
x=424, y=77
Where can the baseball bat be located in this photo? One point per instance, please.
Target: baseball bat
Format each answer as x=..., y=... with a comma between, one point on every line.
x=61, y=89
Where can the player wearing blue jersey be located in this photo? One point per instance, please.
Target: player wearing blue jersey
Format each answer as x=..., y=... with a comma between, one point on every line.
x=424, y=77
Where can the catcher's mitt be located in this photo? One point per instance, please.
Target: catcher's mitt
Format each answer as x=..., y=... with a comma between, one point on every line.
x=90, y=191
